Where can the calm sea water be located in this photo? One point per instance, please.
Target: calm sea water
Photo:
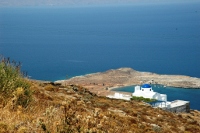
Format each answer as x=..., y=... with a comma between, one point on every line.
x=58, y=42
x=191, y=95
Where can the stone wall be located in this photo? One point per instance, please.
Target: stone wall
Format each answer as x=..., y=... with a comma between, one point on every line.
x=183, y=108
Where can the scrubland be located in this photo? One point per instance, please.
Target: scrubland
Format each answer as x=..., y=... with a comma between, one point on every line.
x=74, y=109
x=35, y=106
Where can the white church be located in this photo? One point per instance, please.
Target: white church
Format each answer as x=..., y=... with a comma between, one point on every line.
x=146, y=91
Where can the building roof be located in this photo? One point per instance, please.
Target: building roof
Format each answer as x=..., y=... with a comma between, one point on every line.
x=178, y=103
x=146, y=86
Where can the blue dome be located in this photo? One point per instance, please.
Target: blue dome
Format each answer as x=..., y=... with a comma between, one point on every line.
x=146, y=86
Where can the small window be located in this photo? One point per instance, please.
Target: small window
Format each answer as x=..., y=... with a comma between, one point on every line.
x=150, y=89
x=142, y=89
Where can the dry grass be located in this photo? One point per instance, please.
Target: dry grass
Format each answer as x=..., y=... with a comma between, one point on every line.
x=76, y=110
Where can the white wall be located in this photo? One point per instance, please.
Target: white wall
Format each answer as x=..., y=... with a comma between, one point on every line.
x=149, y=93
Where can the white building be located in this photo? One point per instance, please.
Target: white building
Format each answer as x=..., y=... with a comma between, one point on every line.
x=146, y=91
x=120, y=96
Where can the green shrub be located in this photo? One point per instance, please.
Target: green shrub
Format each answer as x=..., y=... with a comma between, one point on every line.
x=11, y=78
x=142, y=99
x=22, y=97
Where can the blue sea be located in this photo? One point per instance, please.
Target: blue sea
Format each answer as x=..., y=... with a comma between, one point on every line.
x=56, y=43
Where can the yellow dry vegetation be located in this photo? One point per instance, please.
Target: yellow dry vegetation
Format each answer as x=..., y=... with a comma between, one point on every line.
x=73, y=109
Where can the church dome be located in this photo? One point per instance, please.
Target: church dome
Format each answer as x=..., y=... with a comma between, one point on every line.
x=146, y=86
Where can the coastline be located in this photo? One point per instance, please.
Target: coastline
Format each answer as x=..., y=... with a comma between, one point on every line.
x=102, y=83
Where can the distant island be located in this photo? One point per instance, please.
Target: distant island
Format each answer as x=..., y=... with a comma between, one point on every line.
x=76, y=3
x=59, y=3
x=114, y=78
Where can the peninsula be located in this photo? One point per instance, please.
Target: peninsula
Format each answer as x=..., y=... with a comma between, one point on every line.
x=114, y=78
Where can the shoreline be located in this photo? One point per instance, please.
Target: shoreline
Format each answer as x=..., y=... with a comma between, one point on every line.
x=104, y=82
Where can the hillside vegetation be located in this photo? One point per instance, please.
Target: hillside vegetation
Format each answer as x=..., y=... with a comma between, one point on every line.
x=51, y=108
x=13, y=84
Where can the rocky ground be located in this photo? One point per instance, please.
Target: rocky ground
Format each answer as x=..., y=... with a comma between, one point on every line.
x=100, y=83
x=74, y=109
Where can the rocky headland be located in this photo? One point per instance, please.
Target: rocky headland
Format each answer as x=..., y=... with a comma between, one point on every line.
x=102, y=82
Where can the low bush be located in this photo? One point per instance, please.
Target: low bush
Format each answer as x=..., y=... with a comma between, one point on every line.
x=11, y=79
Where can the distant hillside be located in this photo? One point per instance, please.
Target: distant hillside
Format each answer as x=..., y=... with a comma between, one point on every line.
x=57, y=2
x=127, y=77
x=75, y=2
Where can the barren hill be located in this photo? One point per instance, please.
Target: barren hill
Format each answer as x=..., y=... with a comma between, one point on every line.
x=59, y=2
x=71, y=108
x=127, y=76
x=73, y=2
